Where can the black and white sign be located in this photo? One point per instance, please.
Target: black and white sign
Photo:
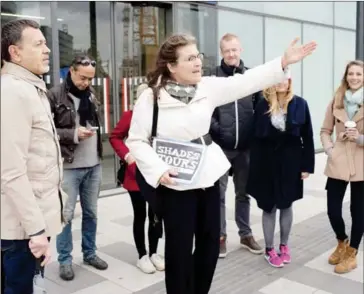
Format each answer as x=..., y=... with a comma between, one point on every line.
x=185, y=157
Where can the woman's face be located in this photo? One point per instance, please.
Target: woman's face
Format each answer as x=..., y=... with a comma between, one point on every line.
x=282, y=87
x=188, y=68
x=354, y=77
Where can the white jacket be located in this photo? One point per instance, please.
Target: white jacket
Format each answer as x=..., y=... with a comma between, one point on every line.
x=186, y=122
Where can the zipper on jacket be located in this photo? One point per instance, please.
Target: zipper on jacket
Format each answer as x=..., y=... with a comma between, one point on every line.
x=236, y=121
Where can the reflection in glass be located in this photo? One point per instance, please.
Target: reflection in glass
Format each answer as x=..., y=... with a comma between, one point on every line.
x=85, y=28
x=37, y=11
x=143, y=29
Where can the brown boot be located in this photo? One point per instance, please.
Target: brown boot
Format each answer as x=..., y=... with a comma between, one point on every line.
x=337, y=256
x=348, y=263
x=249, y=243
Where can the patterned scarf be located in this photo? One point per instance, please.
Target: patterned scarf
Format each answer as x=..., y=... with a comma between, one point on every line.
x=353, y=101
x=183, y=93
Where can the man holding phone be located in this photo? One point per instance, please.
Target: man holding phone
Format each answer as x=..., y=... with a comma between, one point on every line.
x=74, y=107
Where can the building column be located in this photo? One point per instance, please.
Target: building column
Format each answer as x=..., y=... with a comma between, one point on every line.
x=56, y=77
x=359, y=30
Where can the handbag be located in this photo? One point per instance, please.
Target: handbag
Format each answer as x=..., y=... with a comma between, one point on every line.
x=149, y=193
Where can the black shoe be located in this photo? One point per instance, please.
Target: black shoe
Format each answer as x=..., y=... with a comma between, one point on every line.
x=96, y=262
x=66, y=272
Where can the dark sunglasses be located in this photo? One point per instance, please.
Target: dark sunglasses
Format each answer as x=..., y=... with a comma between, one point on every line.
x=86, y=62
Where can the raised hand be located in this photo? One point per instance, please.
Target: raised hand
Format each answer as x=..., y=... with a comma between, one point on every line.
x=295, y=53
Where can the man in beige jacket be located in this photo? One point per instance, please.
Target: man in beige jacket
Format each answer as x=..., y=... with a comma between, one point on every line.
x=31, y=164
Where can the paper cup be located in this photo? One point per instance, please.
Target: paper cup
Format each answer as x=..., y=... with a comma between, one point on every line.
x=350, y=124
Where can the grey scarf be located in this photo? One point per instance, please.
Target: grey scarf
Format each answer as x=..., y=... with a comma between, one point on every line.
x=353, y=101
x=184, y=93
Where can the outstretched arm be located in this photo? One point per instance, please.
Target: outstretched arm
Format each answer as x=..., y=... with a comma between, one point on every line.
x=225, y=90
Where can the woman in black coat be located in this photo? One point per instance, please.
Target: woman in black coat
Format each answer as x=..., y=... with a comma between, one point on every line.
x=282, y=155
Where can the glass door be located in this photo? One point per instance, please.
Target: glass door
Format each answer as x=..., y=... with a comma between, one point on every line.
x=141, y=28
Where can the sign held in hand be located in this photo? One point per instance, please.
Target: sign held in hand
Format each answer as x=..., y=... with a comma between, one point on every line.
x=185, y=157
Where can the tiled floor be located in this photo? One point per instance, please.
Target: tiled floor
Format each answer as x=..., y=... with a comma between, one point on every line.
x=241, y=272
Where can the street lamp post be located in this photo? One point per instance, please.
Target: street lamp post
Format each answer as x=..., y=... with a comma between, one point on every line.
x=360, y=30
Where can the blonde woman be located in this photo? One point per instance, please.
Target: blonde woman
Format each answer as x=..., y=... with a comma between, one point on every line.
x=281, y=157
x=345, y=115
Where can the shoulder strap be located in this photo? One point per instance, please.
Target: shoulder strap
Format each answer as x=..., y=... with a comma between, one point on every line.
x=155, y=113
x=155, y=118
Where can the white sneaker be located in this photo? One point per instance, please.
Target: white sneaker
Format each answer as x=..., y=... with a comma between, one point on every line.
x=145, y=265
x=158, y=261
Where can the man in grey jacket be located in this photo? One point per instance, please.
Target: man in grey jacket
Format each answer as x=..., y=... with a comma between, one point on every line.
x=230, y=127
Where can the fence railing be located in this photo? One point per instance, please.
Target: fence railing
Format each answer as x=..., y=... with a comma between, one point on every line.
x=128, y=87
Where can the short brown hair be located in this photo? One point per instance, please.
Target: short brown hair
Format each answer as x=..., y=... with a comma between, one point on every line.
x=167, y=53
x=228, y=37
x=11, y=34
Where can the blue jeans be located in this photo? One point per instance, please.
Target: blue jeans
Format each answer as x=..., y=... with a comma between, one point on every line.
x=85, y=182
x=18, y=267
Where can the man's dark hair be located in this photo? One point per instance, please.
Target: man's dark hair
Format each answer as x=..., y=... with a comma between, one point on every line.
x=11, y=34
x=82, y=59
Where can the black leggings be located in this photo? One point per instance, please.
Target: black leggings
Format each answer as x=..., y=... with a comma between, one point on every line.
x=335, y=195
x=139, y=207
x=189, y=214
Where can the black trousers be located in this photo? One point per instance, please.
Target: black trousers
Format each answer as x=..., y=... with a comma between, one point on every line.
x=189, y=214
x=335, y=195
x=140, y=214
x=2, y=274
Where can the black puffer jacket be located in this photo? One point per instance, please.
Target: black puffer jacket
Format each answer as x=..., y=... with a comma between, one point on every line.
x=231, y=123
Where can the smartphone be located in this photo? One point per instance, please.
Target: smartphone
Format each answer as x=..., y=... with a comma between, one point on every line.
x=94, y=128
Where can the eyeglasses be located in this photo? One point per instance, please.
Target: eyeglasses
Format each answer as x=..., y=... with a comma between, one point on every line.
x=193, y=58
x=86, y=62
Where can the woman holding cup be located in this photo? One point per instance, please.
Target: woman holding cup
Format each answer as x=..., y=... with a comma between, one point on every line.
x=345, y=115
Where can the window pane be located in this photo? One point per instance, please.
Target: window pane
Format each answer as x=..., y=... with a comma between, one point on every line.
x=249, y=6
x=199, y=21
x=345, y=14
x=321, y=12
x=37, y=11
x=278, y=35
x=247, y=28
x=318, y=75
x=85, y=28
x=344, y=52
x=141, y=30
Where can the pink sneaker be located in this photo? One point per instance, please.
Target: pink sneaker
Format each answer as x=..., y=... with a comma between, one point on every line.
x=273, y=258
x=284, y=253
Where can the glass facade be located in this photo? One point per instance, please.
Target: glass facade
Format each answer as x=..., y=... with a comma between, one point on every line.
x=266, y=28
x=124, y=37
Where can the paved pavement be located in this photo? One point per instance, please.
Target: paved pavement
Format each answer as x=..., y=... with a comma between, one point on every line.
x=311, y=242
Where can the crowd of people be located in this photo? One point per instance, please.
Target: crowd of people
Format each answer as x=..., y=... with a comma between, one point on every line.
x=241, y=122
